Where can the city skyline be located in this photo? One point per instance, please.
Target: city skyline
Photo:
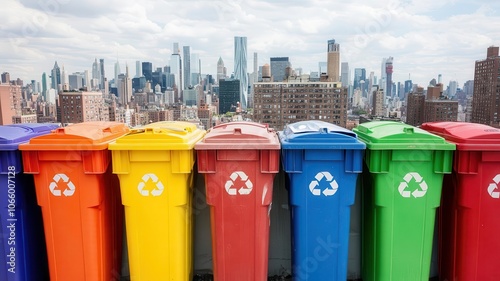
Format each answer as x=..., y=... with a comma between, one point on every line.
x=425, y=38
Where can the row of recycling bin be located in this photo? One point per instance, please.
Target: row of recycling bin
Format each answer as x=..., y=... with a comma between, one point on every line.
x=79, y=225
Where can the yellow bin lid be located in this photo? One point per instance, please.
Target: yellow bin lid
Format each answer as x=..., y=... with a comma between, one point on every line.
x=166, y=135
x=95, y=135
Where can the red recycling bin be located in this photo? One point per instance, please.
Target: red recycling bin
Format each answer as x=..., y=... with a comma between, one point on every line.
x=239, y=161
x=469, y=224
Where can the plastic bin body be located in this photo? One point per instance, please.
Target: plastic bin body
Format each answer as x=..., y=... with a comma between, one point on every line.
x=401, y=191
x=22, y=251
x=468, y=216
x=239, y=161
x=80, y=200
x=155, y=168
x=322, y=162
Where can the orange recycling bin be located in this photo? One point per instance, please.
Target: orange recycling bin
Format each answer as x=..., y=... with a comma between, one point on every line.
x=80, y=200
x=239, y=161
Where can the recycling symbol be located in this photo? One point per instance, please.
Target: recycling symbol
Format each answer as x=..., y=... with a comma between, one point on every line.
x=403, y=186
x=244, y=190
x=494, y=186
x=158, y=188
x=330, y=190
x=68, y=191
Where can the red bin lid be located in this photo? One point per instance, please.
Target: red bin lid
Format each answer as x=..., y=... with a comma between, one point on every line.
x=239, y=135
x=466, y=136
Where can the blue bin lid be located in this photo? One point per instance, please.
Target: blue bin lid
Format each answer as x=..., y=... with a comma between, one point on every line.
x=318, y=135
x=13, y=135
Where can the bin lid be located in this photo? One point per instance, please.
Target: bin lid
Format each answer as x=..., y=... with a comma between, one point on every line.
x=467, y=136
x=318, y=135
x=13, y=135
x=166, y=135
x=94, y=135
x=239, y=135
x=391, y=135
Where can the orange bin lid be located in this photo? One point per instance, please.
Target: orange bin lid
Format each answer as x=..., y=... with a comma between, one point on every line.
x=93, y=135
x=239, y=135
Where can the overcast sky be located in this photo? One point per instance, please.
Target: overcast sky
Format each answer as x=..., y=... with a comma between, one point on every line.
x=425, y=37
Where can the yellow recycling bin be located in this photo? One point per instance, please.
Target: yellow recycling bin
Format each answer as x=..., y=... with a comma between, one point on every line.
x=155, y=168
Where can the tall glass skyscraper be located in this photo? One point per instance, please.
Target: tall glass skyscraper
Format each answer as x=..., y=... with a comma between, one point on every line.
x=55, y=77
x=101, y=65
x=186, y=51
x=175, y=66
x=240, y=68
x=44, y=86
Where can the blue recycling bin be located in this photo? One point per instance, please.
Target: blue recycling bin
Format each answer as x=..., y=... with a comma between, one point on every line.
x=22, y=252
x=322, y=162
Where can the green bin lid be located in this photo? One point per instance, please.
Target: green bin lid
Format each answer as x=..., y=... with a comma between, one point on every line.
x=390, y=135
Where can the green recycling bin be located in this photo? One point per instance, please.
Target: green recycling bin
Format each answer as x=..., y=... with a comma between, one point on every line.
x=401, y=189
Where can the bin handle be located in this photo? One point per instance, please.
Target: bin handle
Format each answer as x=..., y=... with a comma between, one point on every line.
x=364, y=130
x=408, y=130
x=112, y=129
x=159, y=129
x=60, y=130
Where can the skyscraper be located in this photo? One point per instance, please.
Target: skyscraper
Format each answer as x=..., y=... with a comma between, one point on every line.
x=75, y=81
x=117, y=72
x=255, y=67
x=124, y=86
x=221, y=70
x=44, y=86
x=345, y=77
x=5, y=78
x=96, y=72
x=186, y=52
x=55, y=77
x=64, y=79
x=278, y=67
x=229, y=94
x=195, y=69
x=333, y=61
x=415, y=107
x=175, y=66
x=359, y=75
x=138, y=69
x=388, y=76
x=485, y=105
x=240, y=68
x=102, y=80
x=383, y=74
x=452, y=89
x=378, y=103
x=408, y=86
x=147, y=71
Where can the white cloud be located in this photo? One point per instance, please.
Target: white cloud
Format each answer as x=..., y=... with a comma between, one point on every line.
x=425, y=37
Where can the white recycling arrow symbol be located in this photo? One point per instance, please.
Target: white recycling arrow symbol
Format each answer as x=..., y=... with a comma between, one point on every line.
x=402, y=188
x=68, y=191
x=158, y=185
x=329, y=191
x=493, y=187
x=244, y=190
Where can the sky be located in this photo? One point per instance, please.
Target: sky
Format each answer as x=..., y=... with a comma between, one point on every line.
x=425, y=37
